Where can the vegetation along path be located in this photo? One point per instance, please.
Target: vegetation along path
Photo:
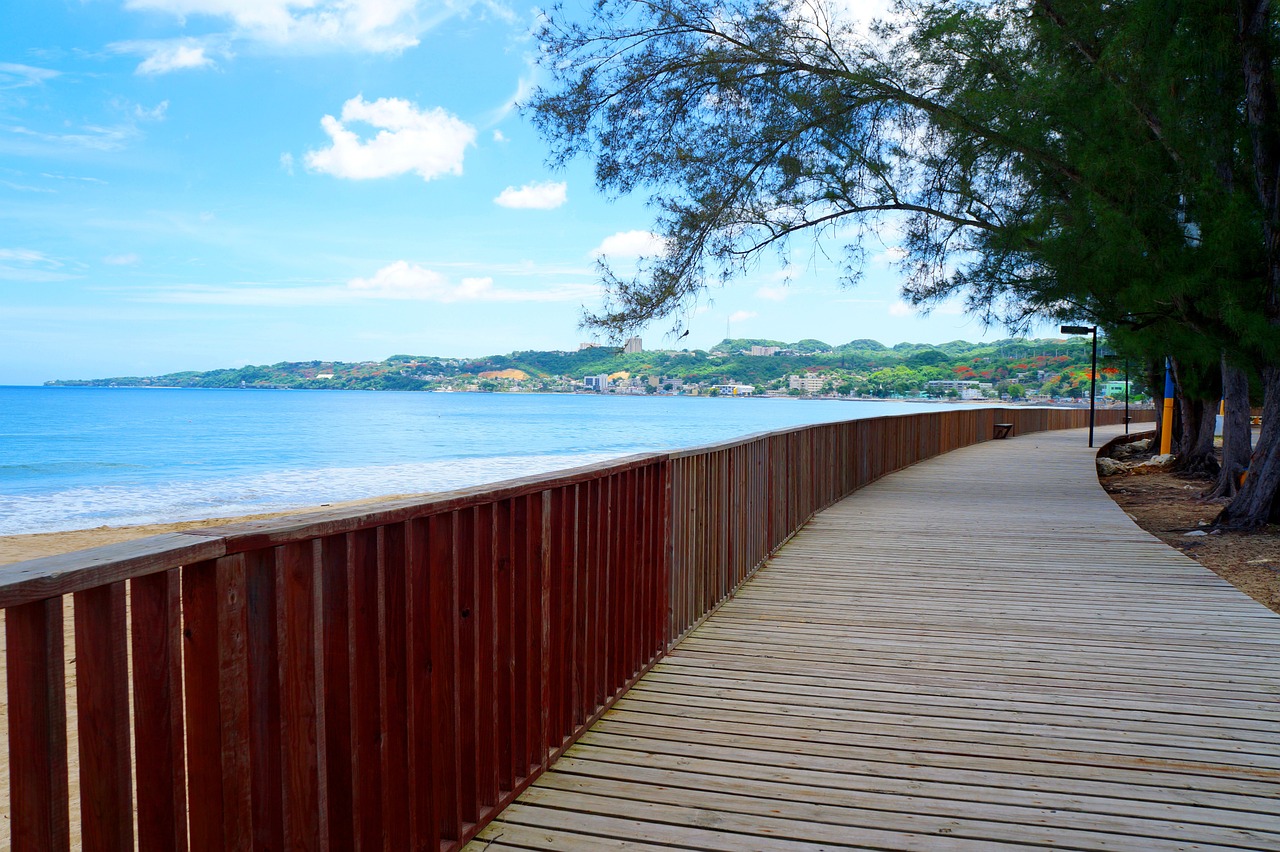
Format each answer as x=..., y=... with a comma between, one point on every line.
x=980, y=652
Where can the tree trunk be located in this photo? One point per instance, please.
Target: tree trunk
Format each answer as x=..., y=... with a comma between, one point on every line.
x=1237, y=436
x=1256, y=504
x=1199, y=417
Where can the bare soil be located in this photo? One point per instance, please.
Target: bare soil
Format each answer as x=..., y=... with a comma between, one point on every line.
x=1168, y=505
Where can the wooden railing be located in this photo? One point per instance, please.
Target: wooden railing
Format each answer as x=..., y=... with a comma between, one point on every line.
x=392, y=678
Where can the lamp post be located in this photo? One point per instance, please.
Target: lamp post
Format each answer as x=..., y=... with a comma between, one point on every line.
x=1093, y=377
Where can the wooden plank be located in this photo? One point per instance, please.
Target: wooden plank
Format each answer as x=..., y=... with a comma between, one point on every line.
x=523, y=704
x=443, y=675
x=52, y=576
x=217, y=609
x=394, y=567
x=336, y=622
x=848, y=782
x=488, y=759
x=266, y=772
x=102, y=693
x=305, y=809
x=424, y=793
x=156, y=624
x=468, y=706
x=504, y=652
x=365, y=696
x=39, y=789
x=1043, y=690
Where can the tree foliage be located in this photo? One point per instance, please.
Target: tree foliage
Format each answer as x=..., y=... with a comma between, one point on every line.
x=1115, y=163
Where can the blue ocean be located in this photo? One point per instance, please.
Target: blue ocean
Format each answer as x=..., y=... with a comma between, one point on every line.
x=77, y=458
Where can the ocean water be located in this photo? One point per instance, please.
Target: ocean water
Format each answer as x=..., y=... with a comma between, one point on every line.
x=77, y=458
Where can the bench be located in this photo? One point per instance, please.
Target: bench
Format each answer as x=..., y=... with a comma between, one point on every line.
x=1004, y=430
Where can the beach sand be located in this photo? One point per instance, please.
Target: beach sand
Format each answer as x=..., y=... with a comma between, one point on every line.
x=16, y=548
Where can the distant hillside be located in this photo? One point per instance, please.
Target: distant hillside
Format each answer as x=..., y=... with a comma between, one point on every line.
x=859, y=366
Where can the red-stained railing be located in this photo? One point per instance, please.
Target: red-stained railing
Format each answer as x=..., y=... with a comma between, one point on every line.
x=391, y=678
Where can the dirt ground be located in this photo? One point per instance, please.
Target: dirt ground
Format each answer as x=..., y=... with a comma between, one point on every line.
x=1168, y=505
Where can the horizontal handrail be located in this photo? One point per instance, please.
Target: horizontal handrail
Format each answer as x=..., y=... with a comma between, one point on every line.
x=393, y=675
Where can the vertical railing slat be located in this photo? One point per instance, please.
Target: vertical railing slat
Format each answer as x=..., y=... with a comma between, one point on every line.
x=393, y=570
x=38, y=783
x=365, y=695
x=305, y=816
x=102, y=696
x=336, y=624
x=156, y=616
x=217, y=610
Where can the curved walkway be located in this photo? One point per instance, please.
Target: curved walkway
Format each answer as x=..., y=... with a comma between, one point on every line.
x=981, y=652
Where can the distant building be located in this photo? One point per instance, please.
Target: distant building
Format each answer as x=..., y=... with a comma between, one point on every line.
x=1113, y=388
x=735, y=390
x=582, y=346
x=764, y=350
x=633, y=345
x=808, y=384
x=598, y=383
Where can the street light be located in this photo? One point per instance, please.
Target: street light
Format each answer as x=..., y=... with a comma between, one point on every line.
x=1093, y=377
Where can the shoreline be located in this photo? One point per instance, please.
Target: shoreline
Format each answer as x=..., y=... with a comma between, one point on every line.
x=24, y=546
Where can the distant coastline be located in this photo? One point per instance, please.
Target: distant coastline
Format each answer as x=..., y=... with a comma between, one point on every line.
x=1016, y=369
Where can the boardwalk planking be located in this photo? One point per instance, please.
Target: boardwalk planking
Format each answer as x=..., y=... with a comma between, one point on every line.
x=980, y=652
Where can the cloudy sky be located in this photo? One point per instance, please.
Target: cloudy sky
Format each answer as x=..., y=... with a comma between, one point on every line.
x=191, y=184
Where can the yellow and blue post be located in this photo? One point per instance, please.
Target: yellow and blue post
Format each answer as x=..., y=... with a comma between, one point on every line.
x=1166, y=422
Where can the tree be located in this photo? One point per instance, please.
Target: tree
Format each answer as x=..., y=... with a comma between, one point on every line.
x=1052, y=158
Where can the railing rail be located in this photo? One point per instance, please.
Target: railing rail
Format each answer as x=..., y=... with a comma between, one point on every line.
x=392, y=677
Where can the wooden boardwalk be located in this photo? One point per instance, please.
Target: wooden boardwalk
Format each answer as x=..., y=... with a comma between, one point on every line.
x=981, y=652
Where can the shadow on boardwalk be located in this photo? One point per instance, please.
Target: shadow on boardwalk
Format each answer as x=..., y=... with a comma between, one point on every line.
x=980, y=652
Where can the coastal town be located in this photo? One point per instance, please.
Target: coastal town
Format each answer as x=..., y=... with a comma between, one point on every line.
x=1032, y=371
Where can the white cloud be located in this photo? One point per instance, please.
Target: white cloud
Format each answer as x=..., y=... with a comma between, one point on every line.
x=15, y=76
x=156, y=113
x=900, y=309
x=404, y=280
x=430, y=142
x=164, y=57
x=27, y=256
x=73, y=177
x=373, y=25
x=890, y=256
x=91, y=136
x=631, y=244
x=739, y=316
x=120, y=259
x=398, y=281
x=524, y=88
x=499, y=136
x=547, y=195
x=772, y=294
x=18, y=264
x=286, y=162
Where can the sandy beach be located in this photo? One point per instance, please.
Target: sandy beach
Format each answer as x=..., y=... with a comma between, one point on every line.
x=17, y=548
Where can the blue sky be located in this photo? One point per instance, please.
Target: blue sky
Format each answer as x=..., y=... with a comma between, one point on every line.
x=192, y=184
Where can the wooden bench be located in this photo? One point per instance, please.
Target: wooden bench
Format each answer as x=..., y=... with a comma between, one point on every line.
x=1004, y=430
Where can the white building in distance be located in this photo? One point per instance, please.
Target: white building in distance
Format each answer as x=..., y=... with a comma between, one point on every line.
x=764, y=350
x=633, y=345
x=808, y=384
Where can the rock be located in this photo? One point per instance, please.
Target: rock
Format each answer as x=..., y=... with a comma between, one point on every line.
x=1195, y=533
x=1111, y=467
x=1124, y=451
